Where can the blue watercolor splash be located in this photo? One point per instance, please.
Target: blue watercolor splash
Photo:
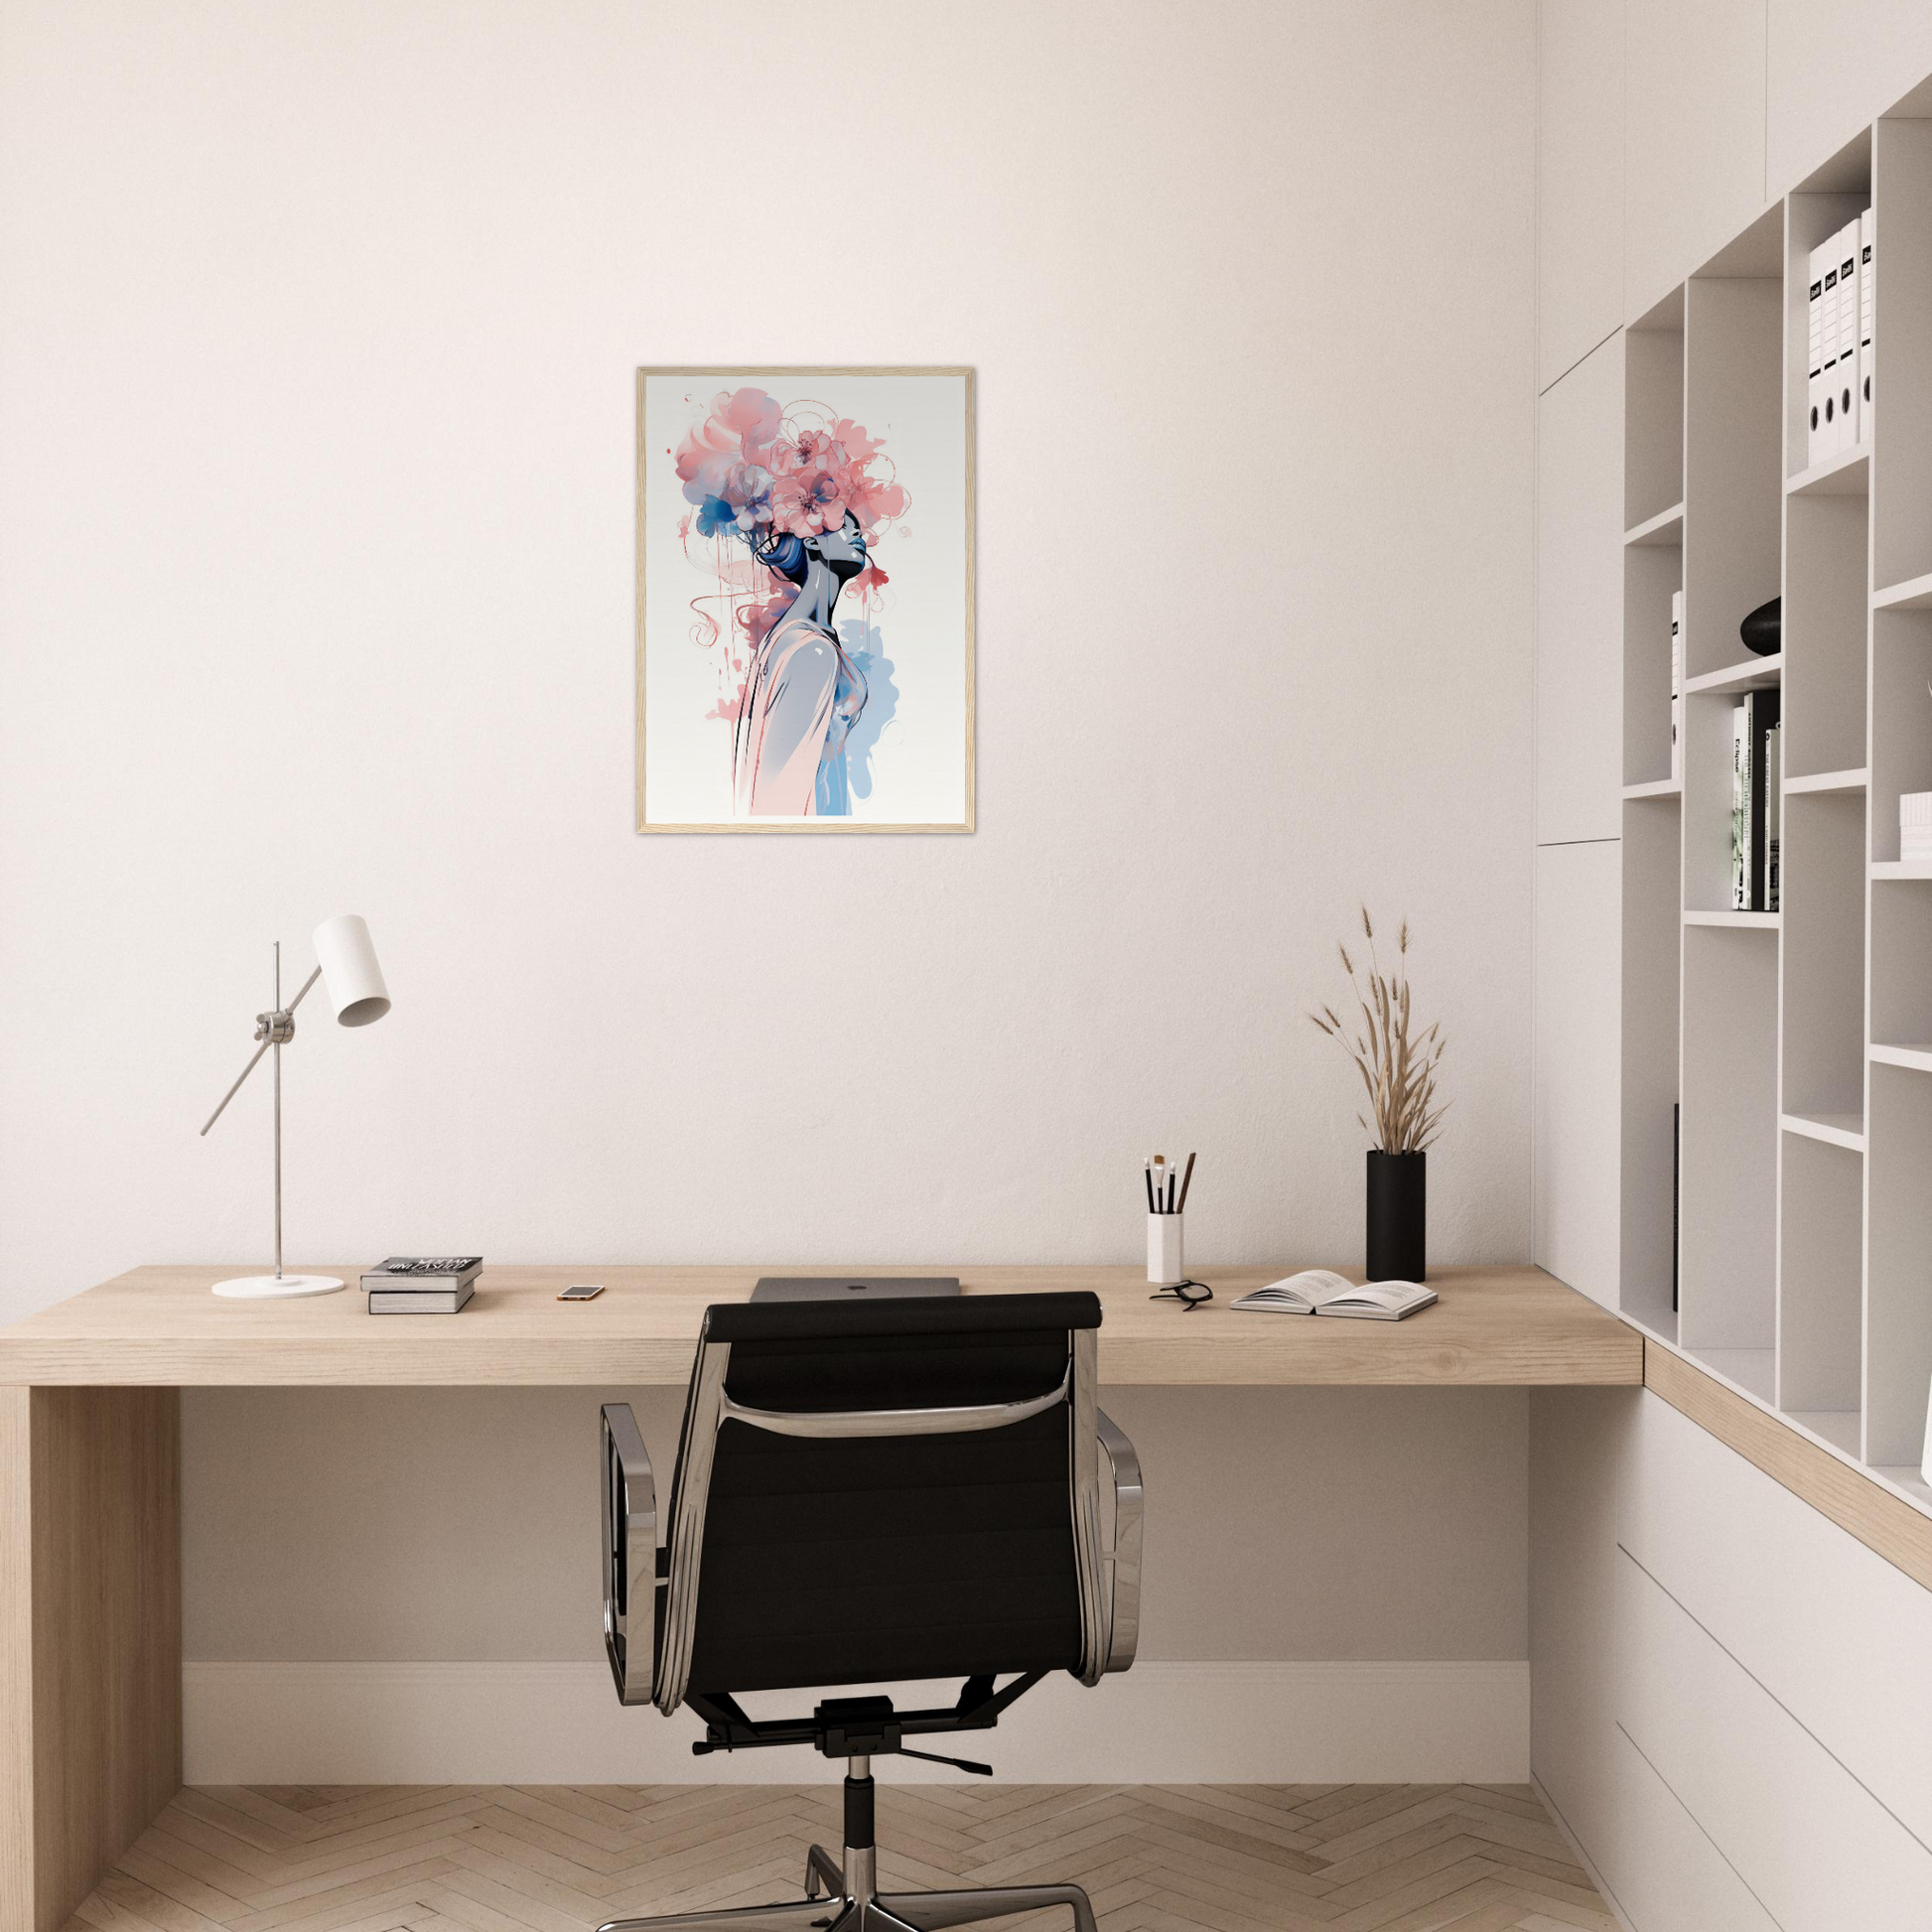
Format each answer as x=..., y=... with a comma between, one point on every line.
x=849, y=774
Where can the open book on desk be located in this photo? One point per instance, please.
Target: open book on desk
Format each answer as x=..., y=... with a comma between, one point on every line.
x=1320, y=1290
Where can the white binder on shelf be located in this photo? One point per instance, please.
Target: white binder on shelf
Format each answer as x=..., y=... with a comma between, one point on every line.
x=1828, y=434
x=1866, y=304
x=1847, y=335
x=1816, y=308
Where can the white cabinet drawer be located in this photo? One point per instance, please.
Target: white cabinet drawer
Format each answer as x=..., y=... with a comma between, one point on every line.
x=1657, y=1861
x=1814, y=1845
x=1833, y=1632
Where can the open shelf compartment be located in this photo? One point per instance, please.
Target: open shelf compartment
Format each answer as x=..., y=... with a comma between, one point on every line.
x=1653, y=437
x=1902, y=441
x=1728, y=1219
x=1653, y=936
x=1898, y=1312
x=1734, y=480
x=1821, y=1268
x=1826, y=614
x=1823, y=920
x=1901, y=718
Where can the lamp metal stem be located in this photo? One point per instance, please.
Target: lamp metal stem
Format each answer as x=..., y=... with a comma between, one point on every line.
x=278, y=1116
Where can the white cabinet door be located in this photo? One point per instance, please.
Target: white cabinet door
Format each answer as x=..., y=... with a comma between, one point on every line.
x=1579, y=602
x=1578, y=179
x=1832, y=66
x=1693, y=137
x=1574, y=1200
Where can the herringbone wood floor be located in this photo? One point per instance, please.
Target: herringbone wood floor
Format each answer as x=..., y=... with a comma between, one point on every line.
x=561, y=1857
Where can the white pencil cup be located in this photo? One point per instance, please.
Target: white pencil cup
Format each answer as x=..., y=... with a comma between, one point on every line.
x=1163, y=1249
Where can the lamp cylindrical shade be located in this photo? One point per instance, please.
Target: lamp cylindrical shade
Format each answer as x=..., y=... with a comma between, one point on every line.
x=349, y=975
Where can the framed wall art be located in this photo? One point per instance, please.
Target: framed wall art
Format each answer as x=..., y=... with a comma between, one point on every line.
x=806, y=600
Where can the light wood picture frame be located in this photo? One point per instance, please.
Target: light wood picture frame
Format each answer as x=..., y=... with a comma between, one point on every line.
x=804, y=652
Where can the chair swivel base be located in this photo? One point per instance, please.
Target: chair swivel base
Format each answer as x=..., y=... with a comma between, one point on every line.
x=850, y=1904
x=850, y=1901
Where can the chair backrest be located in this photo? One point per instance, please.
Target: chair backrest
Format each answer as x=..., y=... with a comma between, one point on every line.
x=884, y=1491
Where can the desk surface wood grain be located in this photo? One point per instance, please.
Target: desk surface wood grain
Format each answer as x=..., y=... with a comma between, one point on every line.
x=160, y=1327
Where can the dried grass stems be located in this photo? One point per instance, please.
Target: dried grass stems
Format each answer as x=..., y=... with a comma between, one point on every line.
x=1399, y=1071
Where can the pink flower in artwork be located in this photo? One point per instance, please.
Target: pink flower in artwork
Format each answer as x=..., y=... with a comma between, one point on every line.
x=757, y=471
x=807, y=500
x=722, y=463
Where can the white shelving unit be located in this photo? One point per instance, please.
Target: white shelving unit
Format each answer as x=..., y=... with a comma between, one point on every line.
x=1797, y=1043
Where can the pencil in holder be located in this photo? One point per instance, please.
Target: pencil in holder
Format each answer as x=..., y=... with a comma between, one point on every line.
x=1164, y=1262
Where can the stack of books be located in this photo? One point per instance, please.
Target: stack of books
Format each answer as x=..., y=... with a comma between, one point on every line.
x=1755, y=832
x=422, y=1284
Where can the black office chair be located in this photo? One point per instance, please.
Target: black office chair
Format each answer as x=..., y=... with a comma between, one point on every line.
x=866, y=1494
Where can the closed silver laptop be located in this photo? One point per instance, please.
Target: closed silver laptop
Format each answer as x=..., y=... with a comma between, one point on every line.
x=851, y=1288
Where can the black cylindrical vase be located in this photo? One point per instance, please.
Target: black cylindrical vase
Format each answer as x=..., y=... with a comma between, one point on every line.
x=1398, y=1216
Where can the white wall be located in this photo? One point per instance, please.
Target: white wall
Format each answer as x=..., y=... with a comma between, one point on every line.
x=316, y=450
x=317, y=340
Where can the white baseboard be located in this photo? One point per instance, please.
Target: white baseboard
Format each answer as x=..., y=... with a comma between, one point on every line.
x=561, y=1723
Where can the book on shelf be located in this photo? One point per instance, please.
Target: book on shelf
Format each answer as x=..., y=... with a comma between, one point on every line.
x=420, y=1300
x=1320, y=1290
x=1677, y=687
x=423, y=1274
x=1740, y=811
x=1753, y=819
x=1773, y=808
x=1761, y=719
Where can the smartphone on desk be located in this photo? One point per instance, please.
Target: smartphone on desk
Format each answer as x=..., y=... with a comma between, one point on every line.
x=581, y=1292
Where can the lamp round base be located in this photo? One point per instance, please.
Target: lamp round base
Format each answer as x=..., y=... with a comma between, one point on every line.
x=276, y=1287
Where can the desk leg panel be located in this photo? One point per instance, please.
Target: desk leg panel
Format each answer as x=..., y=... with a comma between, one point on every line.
x=89, y=1637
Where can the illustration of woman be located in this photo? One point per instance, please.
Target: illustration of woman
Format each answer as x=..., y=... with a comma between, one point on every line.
x=805, y=492
x=804, y=694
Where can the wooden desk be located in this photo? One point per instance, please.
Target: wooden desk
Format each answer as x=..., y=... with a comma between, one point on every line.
x=161, y=1327
x=89, y=1462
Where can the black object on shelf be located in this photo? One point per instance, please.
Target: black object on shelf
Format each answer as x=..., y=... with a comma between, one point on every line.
x=1764, y=630
x=1398, y=1216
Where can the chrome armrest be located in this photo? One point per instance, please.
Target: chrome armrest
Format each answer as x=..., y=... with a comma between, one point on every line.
x=630, y=1555
x=1124, y=1559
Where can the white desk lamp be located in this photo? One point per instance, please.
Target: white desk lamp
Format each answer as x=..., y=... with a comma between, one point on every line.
x=353, y=981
